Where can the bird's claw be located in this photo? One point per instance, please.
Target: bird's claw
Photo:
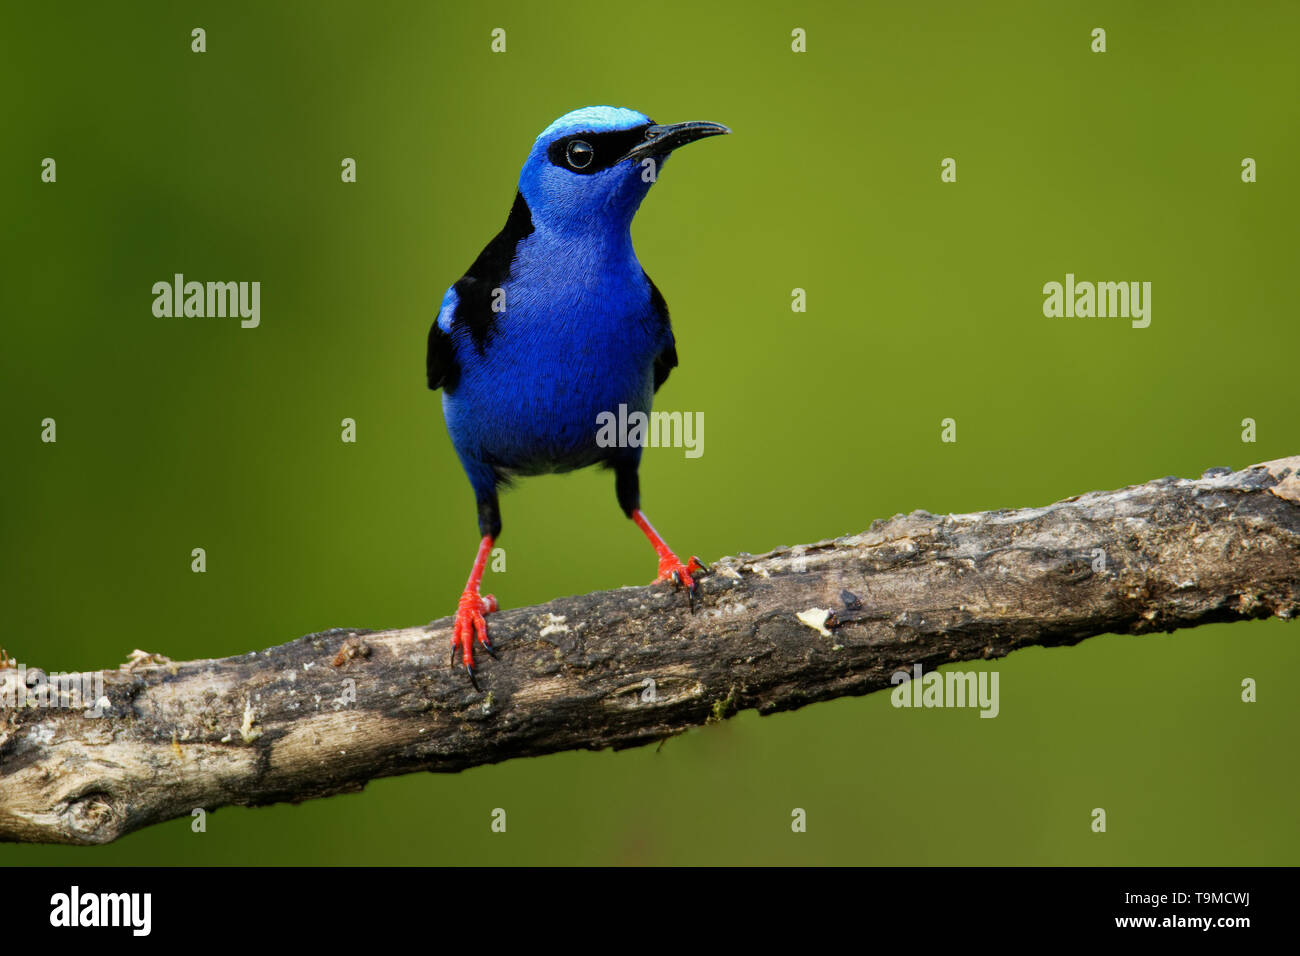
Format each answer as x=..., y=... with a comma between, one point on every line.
x=672, y=569
x=470, y=624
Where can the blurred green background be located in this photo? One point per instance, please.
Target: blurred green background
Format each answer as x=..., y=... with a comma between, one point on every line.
x=924, y=302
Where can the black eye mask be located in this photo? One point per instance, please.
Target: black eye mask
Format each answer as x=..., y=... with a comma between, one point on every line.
x=603, y=149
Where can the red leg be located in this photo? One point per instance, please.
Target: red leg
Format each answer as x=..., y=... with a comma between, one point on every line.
x=670, y=568
x=469, y=612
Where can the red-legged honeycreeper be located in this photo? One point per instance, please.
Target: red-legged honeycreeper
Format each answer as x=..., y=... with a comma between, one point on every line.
x=556, y=323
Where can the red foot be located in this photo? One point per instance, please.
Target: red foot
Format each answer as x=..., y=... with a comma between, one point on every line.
x=469, y=612
x=672, y=569
x=470, y=624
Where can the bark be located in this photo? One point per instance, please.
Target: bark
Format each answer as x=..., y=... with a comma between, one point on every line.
x=327, y=712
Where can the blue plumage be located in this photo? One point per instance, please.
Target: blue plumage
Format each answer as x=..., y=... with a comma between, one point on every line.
x=556, y=322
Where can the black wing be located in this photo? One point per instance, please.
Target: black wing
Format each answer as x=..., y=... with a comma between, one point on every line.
x=666, y=360
x=474, y=297
x=440, y=361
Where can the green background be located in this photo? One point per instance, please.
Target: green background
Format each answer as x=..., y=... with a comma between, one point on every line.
x=924, y=302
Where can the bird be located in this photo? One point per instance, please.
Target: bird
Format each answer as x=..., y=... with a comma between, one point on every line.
x=554, y=323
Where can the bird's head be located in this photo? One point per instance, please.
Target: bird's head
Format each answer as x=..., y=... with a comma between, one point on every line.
x=591, y=168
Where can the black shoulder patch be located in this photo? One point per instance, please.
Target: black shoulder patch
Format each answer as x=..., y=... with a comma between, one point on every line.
x=440, y=360
x=666, y=360
x=489, y=272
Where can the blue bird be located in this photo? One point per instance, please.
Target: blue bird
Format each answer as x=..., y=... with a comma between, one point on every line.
x=554, y=324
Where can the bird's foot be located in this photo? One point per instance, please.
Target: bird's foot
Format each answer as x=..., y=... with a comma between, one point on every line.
x=670, y=566
x=672, y=569
x=470, y=624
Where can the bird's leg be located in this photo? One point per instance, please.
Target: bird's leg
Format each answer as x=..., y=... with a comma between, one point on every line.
x=670, y=567
x=469, y=612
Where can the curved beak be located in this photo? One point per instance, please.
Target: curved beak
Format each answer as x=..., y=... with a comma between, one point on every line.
x=662, y=140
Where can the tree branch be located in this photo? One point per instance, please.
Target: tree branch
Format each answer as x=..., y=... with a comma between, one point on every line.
x=631, y=666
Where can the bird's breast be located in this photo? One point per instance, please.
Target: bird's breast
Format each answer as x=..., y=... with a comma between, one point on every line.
x=557, y=359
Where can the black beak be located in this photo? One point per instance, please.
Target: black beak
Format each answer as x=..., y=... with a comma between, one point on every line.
x=662, y=140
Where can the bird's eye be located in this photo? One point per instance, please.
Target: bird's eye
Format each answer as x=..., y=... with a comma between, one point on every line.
x=580, y=154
